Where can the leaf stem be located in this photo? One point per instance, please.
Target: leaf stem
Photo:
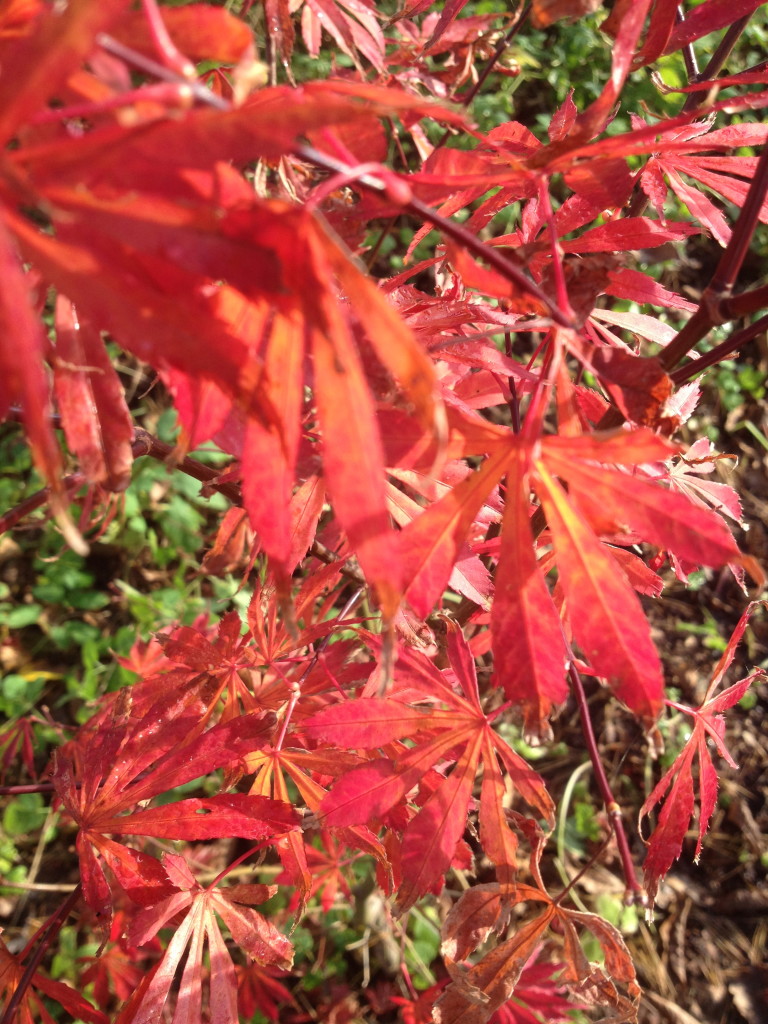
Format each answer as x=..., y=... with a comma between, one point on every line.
x=579, y=875
x=13, y=516
x=148, y=66
x=448, y=227
x=373, y=182
x=745, y=302
x=166, y=48
x=243, y=857
x=32, y=787
x=634, y=891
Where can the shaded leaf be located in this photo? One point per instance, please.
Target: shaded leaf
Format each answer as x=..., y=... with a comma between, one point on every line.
x=676, y=786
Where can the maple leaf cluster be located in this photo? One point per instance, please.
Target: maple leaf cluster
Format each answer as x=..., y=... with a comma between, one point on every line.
x=452, y=488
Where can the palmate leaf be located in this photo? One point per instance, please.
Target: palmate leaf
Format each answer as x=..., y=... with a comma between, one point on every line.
x=118, y=970
x=246, y=672
x=676, y=786
x=354, y=478
x=606, y=617
x=728, y=176
x=538, y=996
x=201, y=32
x=259, y=990
x=328, y=879
x=480, y=988
x=48, y=49
x=528, y=638
x=700, y=460
x=708, y=17
x=352, y=24
x=459, y=733
x=511, y=157
x=199, y=928
x=630, y=17
x=33, y=1004
x=355, y=481
x=668, y=32
x=273, y=770
x=252, y=671
x=130, y=760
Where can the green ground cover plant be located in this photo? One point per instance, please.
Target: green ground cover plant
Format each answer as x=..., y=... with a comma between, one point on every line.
x=358, y=373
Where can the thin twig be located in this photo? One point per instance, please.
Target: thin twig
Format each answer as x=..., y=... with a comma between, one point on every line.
x=39, y=886
x=689, y=54
x=295, y=686
x=745, y=303
x=503, y=43
x=47, y=933
x=634, y=891
x=716, y=62
x=719, y=352
x=370, y=181
x=31, y=787
x=70, y=484
x=198, y=90
x=147, y=444
x=452, y=229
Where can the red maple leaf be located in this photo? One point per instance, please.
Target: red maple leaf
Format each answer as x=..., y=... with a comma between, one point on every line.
x=676, y=786
x=728, y=176
x=459, y=736
x=119, y=968
x=604, y=496
x=537, y=997
x=481, y=988
x=272, y=301
x=96, y=420
x=685, y=476
x=259, y=989
x=17, y=747
x=126, y=761
x=199, y=927
x=352, y=24
x=326, y=863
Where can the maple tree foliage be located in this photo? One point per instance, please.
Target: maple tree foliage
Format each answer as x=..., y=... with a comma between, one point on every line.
x=452, y=490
